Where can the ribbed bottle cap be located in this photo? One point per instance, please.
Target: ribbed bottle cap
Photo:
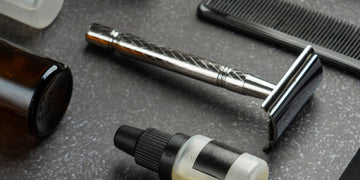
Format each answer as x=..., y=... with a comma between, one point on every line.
x=150, y=147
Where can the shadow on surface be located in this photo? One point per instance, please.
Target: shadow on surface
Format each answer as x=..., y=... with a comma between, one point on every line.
x=17, y=32
x=228, y=109
x=126, y=171
x=269, y=43
x=15, y=141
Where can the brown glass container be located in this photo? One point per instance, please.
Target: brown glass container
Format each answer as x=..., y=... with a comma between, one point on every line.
x=35, y=91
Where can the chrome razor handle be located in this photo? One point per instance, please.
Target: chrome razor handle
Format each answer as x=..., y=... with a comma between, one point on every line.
x=282, y=102
x=179, y=62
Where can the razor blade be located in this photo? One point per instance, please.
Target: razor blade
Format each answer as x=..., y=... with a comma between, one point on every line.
x=282, y=101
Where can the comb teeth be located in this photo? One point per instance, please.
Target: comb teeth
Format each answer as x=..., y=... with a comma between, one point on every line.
x=297, y=21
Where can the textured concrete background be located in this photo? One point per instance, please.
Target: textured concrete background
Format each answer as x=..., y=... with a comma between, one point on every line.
x=111, y=90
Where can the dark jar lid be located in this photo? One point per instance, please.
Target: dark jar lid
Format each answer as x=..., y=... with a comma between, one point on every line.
x=50, y=101
x=35, y=91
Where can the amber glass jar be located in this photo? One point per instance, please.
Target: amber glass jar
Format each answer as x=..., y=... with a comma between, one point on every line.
x=35, y=91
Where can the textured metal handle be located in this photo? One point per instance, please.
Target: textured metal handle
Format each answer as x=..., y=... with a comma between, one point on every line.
x=282, y=102
x=183, y=63
x=190, y=65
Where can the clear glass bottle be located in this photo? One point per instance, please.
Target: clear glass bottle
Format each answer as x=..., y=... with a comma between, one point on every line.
x=245, y=166
x=35, y=91
x=181, y=157
x=36, y=13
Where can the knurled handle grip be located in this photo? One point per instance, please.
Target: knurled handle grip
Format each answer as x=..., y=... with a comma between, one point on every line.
x=189, y=65
x=174, y=60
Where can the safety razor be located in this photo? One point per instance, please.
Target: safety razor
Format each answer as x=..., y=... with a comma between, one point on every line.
x=282, y=101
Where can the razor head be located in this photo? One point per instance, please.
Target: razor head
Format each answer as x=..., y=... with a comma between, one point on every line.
x=291, y=93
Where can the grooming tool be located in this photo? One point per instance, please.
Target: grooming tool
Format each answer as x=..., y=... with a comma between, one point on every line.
x=337, y=42
x=35, y=91
x=179, y=156
x=282, y=101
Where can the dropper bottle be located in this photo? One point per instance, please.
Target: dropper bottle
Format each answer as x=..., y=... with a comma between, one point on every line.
x=181, y=157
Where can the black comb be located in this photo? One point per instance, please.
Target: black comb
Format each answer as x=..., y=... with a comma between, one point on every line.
x=290, y=25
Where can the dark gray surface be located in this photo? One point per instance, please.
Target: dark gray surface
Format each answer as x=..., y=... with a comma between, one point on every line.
x=110, y=90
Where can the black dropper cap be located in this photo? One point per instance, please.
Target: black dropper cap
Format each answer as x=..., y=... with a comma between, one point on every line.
x=126, y=138
x=152, y=149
